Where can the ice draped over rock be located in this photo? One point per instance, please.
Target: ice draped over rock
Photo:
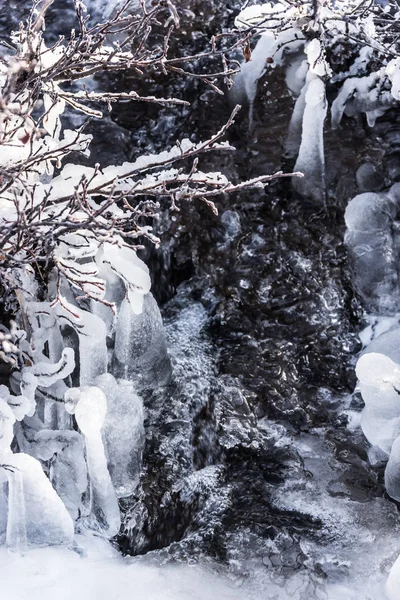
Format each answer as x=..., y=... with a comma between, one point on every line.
x=378, y=372
x=374, y=249
x=36, y=516
x=74, y=409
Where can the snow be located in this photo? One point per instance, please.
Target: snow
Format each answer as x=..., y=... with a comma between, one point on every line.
x=93, y=570
x=316, y=58
x=246, y=81
x=125, y=263
x=393, y=72
x=362, y=95
x=269, y=51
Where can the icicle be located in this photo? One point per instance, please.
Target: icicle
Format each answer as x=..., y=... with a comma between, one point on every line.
x=311, y=159
x=90, y=413
x=246, y=81
x=16, y=539
x=92, y=333
x=293, y=140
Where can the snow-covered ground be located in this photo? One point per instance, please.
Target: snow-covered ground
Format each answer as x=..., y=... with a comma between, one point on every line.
x=95, y=571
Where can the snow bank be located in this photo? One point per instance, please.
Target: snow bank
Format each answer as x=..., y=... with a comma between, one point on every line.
x=95, y=571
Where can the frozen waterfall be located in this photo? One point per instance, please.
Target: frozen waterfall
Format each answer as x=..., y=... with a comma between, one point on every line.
x=71, y=428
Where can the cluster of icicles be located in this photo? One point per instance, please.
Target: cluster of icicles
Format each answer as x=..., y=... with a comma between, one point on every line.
x=307, y=71
x=71, y=424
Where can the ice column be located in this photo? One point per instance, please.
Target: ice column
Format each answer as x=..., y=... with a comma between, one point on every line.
x=90, y=413
x=123, y=433
x=311, y=158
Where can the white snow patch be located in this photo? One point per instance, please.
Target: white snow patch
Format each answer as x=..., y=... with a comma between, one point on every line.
x=95, y=571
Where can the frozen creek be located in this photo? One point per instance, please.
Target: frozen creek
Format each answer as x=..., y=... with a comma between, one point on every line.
x=257, y=481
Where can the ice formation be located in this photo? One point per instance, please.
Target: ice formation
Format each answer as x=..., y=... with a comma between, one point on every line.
x=378, y=372
x=123, y=433
x=68, y=472
x=311, y=159
x=90, y=414
x=301, y=43
x=78, y=428
x=36, y=516
x=140, y=349
x=392, y=587
x=245, y=86
x=370, y=238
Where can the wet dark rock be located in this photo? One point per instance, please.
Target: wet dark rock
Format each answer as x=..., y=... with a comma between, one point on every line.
x=368, y=178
